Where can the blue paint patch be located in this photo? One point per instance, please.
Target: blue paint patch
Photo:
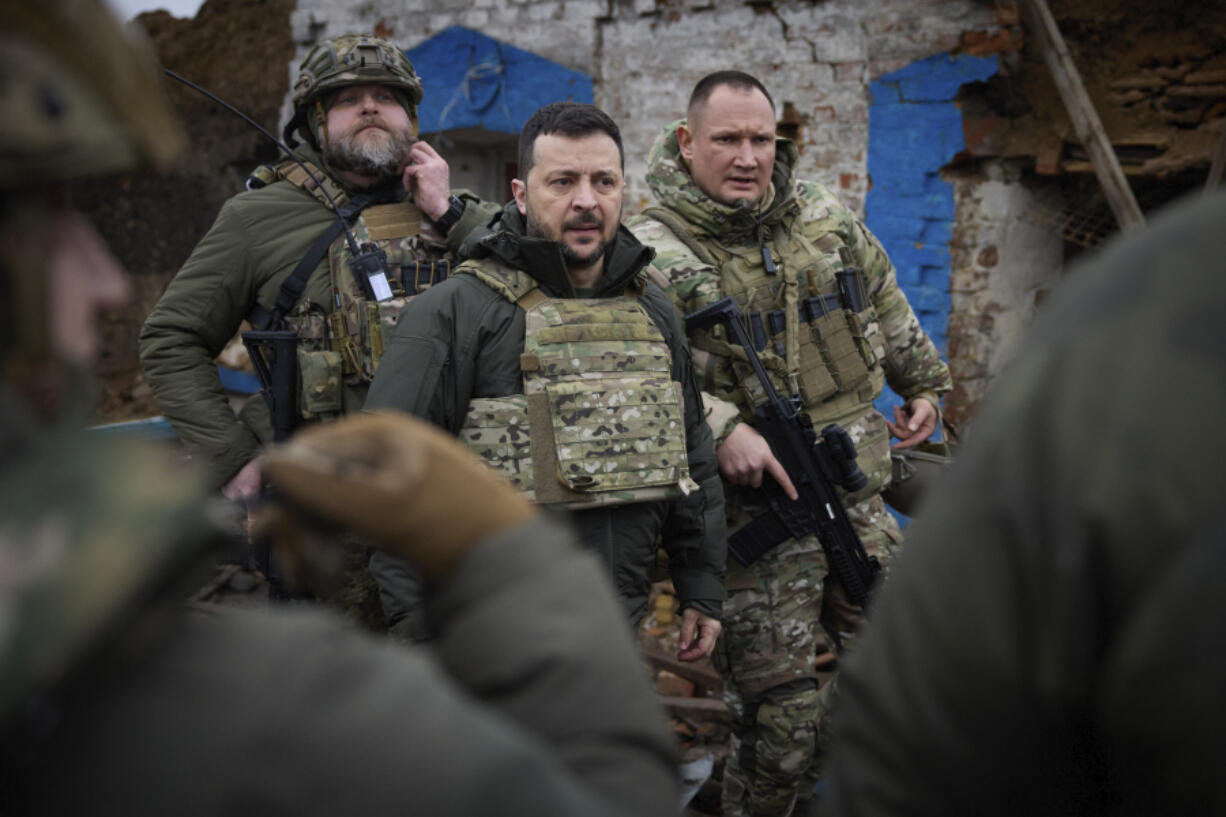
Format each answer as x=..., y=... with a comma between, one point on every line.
x=237, y=381
x=470, y=80
x=915, y=129
x=153, y=428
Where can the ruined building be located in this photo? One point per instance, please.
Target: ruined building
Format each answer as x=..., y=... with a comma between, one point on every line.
x=937, y=119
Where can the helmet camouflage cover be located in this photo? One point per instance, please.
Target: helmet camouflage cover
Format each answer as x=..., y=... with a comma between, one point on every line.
x=80, y=94
x=352, y=59
x=87, y=524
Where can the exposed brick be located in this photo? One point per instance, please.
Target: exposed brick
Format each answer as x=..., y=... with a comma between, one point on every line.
x=848, y=71
x=1007, y=14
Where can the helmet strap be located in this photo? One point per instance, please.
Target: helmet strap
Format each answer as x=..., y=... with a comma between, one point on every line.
x=322, y=113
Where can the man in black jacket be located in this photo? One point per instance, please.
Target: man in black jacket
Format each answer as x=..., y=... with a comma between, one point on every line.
x=555, y=359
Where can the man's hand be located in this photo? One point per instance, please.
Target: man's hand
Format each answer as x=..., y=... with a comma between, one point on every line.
x=244, y=486
x=745, y=454
x=698, y=634
x=426, y=176
x=914, y=425
x=400, y=482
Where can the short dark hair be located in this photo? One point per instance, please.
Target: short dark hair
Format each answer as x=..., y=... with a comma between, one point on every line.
x=733, y=79
x=571, y=119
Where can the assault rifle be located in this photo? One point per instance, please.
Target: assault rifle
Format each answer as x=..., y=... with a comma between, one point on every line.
x=814, y=464
x=274, y=355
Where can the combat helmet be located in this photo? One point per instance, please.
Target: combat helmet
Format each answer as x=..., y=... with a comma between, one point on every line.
x=79, y=545
x=351, y=59
x=81, y=95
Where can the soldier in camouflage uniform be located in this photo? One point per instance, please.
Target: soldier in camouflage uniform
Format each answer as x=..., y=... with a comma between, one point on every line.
x=554, y=358
x=732, y=219
x=113, y=701
x=355, y=104
x=1052, y=641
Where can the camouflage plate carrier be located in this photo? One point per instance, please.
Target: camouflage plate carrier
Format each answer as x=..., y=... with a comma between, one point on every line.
x=816, y=330
x=601, y=421
x=344, y=346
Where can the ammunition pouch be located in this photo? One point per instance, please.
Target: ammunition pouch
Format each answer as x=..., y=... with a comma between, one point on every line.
x=915, y=472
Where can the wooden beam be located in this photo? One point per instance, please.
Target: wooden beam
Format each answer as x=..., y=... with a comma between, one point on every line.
x=702, y=673
x=701, y=708
x=1218, y=163
x=1085, y=119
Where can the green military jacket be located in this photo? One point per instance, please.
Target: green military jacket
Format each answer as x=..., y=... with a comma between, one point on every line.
x=1052, y=640
x=116, y=700
x=257, y=240
x=463, y=340
x=804, y=226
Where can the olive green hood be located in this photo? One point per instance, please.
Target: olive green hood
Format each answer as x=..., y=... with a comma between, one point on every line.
x=668, y=176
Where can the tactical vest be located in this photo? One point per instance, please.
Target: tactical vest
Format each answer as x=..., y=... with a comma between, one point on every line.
x=343, y=345
x=812, y=323
x=601, y=421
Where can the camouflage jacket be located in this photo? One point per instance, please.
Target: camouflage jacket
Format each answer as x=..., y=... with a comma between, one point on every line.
x=910, y=364
x=462, y=340
x=94, y=531
x=257, y=240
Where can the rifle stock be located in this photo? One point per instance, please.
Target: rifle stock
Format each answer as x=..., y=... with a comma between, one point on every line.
x=815, y=463
x=274, y=354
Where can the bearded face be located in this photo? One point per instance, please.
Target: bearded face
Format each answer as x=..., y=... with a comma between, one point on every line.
x=369, y=148
x=367, y=132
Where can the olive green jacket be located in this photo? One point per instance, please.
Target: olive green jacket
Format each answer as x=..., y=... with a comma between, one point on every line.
x=461, y=340
x=257, y=240
x=1053, y=641
x=114, y=700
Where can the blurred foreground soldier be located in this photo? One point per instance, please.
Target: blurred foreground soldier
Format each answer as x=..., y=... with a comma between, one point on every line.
x=275, y=254
x=112, y=700
x=1053, y=640
x=733, y=220
x=553, y=356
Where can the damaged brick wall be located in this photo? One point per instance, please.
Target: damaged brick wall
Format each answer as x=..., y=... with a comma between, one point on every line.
x=1003, y=265
x=236, y=49
x=646, y=55
x=818, y=58
x=916, y=129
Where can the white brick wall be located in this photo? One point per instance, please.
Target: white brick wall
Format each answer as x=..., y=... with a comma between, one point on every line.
x=646, y=55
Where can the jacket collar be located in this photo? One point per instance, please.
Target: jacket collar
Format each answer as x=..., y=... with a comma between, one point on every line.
x=668, y=176
x=624, y=260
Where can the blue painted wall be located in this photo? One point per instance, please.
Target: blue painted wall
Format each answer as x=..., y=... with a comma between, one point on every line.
x=471, y=80
x=914, y=130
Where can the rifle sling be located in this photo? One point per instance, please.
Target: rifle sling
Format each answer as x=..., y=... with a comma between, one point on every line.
x=294, y=284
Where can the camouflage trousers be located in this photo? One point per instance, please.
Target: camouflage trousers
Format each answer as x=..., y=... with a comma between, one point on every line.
x=777, y=610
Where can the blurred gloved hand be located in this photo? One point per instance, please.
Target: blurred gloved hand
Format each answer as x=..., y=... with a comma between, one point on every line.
x=397, y=481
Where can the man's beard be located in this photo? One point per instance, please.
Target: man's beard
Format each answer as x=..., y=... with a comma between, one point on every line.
x=375, y=157
x=570, y=256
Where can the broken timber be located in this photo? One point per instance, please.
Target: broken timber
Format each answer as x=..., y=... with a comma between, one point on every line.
x=1085, y=119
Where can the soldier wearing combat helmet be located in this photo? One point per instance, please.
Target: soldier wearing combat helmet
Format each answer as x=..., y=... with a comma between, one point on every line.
x=276, y=257
x=112, y=701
